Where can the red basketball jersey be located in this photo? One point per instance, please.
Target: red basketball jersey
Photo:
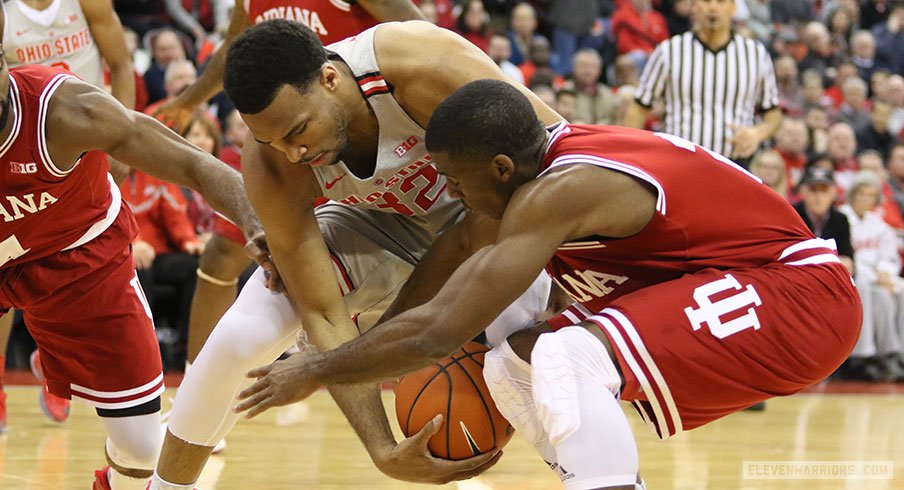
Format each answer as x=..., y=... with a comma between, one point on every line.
x=45, y=209
x=710, y=213
x=331, y=20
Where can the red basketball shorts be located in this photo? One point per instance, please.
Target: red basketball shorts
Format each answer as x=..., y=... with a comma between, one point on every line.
x=87, y=313
x=700, y=347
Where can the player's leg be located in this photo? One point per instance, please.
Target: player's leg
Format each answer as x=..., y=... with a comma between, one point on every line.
x=221, y=264
x=258, y=327
x=6, y=327
x=132, y=447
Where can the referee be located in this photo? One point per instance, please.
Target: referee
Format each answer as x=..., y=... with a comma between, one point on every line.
x=714, y=81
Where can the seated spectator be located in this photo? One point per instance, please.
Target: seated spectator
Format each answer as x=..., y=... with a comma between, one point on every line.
x=566, y=104
x=876, y=136
x=790, y=94
x=595, y=102
x=637, y=30
x=844, y=71
x=626, y=72
x=821, y=55
x=840, y=22
x=545, y=92
x=791, y=142
x=895, y=166
x=203, y=132
x=179, y=75
x=817, y=119
x=166, y=47
x=166, y=255
x=624, y=98
x=523, y=32
x=813, y=90
x=500, y=50
x=863, y=54
x=541, y=61
x=474, y=24
x=872, y=161
x=878, y=84
x=855, y=109
x=895, y=97
x=877, y=354
x=842, y=149
x=817, y=209
x=890, y=39
x=236, y=131
x=769, y=166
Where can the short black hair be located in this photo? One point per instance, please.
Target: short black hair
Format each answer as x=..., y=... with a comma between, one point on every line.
x=483, y=119
x=267, y=56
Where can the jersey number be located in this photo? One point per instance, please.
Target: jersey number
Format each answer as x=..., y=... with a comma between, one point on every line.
x=740, y=307
x=11, y=249
x=425, y=197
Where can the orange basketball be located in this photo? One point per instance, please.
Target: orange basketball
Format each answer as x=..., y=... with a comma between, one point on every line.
x=453, y=387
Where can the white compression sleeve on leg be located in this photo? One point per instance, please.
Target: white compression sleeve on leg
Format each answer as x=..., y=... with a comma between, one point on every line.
x=258, y=327
x=132, y=443
x=575, y=385
x=522, y=313
x=508, y=379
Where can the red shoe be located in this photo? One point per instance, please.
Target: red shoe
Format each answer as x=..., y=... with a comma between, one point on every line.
x=54, y=407
x=2, y=411
x=100, y=479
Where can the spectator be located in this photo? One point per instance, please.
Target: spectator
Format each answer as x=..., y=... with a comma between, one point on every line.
x=179, y=75
x=895, y=98
x=474, y=24
x=595, y=102
x=791, y=142
x=545, y=93
x=500, y=50
x=814, y=94
x=872, y=161
x=638, y=29
x=821, y=54
x=818, y=193
x=877, y=266
x=890, y=39
x=842, y=148
x=895, y=168
x=863, y=54
x=236, y=132
x=875, y=136
x=566, y=104
x=717, y=116
x=577, y=25
x=854, y=108
x=878, y=84
x=626, y=72
x=817, y=120
x=844, y=71
x=523, y=33
x=758, y=18
x=166, y=47
x=840, y=22
x=624, y=97
x=790, y=95
x=769, y=166
x=203, y=132
x=541, y=62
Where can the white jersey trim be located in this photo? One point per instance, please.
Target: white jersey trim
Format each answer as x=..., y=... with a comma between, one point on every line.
x=575, y=158
x=118, y=394
x=101, y=226
x=810, y=244
x=343, y=6
x=15, y=107
x=43, y=108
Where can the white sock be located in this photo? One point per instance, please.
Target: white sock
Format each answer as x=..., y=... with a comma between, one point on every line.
x=158, y=483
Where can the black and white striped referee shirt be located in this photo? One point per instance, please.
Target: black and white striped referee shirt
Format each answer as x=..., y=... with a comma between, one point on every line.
x=705, y=91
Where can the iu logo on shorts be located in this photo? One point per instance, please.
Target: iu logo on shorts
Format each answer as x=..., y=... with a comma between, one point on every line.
x=712, y=312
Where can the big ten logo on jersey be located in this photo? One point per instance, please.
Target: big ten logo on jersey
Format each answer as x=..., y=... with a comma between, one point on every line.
x=725, y=307
x=61, y=46
x=306, y=17
x=23, y=168
x=406, y=145
x=588, y=285
x=420, y=176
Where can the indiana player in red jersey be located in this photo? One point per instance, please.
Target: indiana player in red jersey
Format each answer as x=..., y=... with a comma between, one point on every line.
x=695, y=297
x=65, y=259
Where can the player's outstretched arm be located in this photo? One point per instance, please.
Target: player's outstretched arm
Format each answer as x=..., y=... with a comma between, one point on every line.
x=177, y=111
x=83, y=118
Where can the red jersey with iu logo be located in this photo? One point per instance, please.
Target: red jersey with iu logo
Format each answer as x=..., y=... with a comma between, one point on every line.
x=332, y=20
x=45, y=209
x=710, y=213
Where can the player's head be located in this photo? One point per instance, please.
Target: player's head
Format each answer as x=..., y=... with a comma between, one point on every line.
x=279, y=79
x=487, y=140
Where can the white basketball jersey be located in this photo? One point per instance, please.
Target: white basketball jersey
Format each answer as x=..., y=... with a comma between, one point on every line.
x=404, y=180
x=56, y=36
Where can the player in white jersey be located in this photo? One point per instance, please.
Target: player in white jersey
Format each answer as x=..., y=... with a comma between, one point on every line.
x=336, y=123
x=77, y=35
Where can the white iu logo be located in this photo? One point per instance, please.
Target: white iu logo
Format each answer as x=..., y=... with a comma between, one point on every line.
x=711, y=312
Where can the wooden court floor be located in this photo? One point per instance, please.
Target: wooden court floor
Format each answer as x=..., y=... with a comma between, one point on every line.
x=309, y=446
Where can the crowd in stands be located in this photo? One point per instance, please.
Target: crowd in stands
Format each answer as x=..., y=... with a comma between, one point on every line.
x=839, y=155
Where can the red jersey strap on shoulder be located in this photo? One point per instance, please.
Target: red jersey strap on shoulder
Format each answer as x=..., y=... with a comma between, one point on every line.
x=43, y=108
x=15, y=108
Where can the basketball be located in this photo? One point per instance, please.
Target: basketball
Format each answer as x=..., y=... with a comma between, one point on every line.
x=453, y=387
